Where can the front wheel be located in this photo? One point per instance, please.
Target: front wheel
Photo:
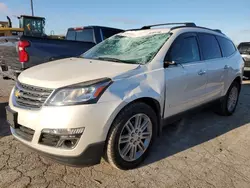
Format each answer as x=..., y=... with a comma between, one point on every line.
x=131, y=136
x=229, y=102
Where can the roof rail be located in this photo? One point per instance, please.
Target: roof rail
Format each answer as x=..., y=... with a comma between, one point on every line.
x=182, y=25
x=187, y=24
x=218, y=30
x=215, y=30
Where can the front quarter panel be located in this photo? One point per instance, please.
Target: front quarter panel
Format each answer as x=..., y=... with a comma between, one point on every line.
x=126, y=89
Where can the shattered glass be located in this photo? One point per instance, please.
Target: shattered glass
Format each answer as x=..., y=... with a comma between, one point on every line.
x=134, y=49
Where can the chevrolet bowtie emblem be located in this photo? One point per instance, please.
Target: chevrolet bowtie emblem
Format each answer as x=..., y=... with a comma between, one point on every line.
x=17, y=93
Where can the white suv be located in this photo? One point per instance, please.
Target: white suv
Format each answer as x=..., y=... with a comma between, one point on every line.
x=113, y=100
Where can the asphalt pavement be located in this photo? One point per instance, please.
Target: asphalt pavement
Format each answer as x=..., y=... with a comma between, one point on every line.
x=204, y=150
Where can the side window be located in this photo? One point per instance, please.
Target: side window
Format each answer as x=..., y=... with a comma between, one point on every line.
x=71, y=35
x=209, y=46
x=106, y=33
x=185, y=50
x=227, y=46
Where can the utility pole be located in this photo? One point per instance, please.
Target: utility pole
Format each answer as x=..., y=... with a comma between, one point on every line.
x=31, y=4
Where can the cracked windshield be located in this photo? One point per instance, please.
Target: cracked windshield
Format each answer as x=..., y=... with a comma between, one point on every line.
x=129, y=48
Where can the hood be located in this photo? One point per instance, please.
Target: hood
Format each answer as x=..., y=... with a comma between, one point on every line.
x=70, y=71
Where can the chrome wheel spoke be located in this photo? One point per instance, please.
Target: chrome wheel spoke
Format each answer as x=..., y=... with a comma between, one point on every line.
x=129, y=126
x=135, y=137
x=132, y=154
x=144, y=125
x=137, y=121
x=141, y=146
x=124, y=139
x=145, y=135
x=126, y=149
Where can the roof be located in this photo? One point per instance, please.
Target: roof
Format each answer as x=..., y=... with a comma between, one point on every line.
x=32, y=17
x=145, y=32
x=94, y=26
x=178, y=26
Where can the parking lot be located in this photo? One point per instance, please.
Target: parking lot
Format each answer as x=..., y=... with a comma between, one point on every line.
x=204, y=150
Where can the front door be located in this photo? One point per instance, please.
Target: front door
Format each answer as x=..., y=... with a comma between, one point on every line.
x=186, y=80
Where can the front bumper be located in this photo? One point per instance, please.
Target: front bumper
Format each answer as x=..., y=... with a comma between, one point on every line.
x=95, y=118
x=91, y=156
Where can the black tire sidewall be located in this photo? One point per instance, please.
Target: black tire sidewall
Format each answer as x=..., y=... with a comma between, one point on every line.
x=134, y=109
x=234, y=84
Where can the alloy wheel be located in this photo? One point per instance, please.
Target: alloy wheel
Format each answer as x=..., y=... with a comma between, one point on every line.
x=135, y=137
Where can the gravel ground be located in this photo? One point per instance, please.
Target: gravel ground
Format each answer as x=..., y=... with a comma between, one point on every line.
x=204, y=150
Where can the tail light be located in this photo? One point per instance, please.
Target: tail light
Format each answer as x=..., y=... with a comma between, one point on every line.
x=78, y=28
x=23, y=55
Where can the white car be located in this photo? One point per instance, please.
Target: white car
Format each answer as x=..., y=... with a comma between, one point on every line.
x=113, y=101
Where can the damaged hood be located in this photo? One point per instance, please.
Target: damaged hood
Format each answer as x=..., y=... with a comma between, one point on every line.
x=70, y=71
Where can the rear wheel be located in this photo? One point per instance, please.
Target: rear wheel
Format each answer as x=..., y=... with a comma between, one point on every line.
x=228, y=104
x=131, y=136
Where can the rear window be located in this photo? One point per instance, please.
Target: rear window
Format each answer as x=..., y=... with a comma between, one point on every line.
x=71, y=35
x=209, y=46
x=227, y=46
x=244, y=48
x=85, y=35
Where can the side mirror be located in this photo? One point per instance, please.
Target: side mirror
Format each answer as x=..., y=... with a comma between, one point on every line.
x=167, y=63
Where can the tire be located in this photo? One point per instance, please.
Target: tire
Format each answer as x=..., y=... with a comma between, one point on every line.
x=120, y=127
x=224, y=108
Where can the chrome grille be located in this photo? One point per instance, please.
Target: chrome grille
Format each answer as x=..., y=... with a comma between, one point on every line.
x=247, y=63
x=31, y=96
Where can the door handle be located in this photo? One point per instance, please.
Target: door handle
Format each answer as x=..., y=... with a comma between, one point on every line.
x=226, y=67
x=201, y=72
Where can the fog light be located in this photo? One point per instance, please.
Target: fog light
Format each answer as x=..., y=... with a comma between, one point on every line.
x=66, y=138
x=70, y=143
x=73, y=131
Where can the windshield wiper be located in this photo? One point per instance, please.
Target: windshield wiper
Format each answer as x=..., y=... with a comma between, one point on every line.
x=114, y=60
x=109, y=59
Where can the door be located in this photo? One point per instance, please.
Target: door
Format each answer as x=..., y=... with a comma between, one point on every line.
x=186, y=79
x=216, y=65
x=230, y=60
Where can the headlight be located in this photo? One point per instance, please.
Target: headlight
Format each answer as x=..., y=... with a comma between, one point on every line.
x=88, y=92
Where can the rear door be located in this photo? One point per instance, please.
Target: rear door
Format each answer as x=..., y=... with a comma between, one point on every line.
x=230, y=60
x=185, y=81
x=216, y=72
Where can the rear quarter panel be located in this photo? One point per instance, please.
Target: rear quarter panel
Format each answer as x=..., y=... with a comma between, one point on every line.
x=236, y=64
